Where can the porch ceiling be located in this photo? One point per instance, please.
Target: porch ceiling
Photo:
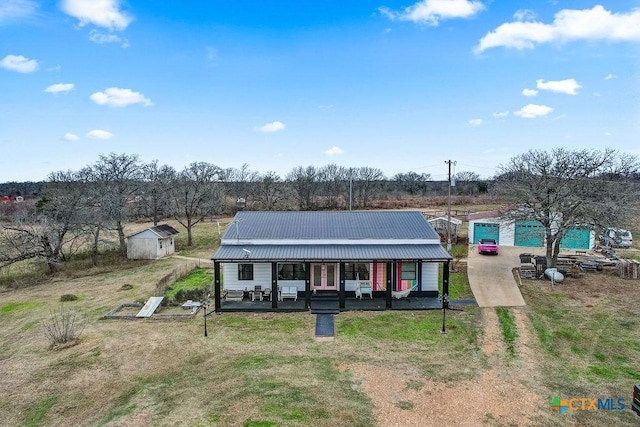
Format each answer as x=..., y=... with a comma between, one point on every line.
x=434, y=253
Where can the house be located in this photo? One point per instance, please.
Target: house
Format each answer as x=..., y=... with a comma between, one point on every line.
x=152, y=243
x=330, y=254
x=492, y=225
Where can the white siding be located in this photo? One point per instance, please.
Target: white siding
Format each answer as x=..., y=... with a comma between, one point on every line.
x=142, y=248
x=430, y=276
x=146, y=245
x=507, y=235
x=261, y=276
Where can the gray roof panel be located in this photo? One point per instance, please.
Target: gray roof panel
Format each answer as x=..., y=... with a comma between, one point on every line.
x=394, y=225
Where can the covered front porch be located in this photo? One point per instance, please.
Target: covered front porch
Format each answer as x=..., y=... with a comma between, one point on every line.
x=351, y=303
x=391, y=291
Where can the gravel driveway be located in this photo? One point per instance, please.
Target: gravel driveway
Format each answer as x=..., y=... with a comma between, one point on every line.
x=491, y=277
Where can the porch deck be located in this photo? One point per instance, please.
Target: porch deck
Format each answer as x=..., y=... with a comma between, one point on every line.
x=351, y=303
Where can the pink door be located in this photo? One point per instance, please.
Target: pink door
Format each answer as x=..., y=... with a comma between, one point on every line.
x=324, y=277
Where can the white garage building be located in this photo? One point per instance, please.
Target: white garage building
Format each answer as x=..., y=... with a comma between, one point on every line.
x=491, y=225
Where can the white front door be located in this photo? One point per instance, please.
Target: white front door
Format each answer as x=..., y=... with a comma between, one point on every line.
x=324, y=277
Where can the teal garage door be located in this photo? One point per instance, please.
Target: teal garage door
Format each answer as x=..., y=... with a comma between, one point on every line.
x=486, y=231
x=576, y=238
x=529, y=233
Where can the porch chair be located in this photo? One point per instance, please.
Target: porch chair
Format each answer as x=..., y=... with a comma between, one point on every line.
x=364, y=288
x=257, y=293
x=266, y=294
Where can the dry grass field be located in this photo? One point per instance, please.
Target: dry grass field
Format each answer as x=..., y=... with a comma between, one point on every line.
x=579, y=339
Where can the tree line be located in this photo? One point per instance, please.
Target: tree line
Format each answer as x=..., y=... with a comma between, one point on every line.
x=563, y=189
x=74, y=208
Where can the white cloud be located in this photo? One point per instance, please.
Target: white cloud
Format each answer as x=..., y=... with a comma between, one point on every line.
x=99, y=134
x=333, y=151
x=71, y=136
x=531, y=111
x=19, y=63
x=610, y=76
x=271, y=127
x=568, y=25
x=102, y=13
x=431, y=12
x=501, y=114
x=16, y=9
x=59, y=87
x=101, y=38
x=568, y=86
x=524, y=15
x=116, y=97
x=475, y=122
x=529, y=92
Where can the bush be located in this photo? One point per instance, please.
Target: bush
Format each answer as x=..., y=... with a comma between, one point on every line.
x=68, y=297
x=63, y=328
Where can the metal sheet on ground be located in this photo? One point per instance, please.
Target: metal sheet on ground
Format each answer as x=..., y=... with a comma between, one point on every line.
x=150, y=307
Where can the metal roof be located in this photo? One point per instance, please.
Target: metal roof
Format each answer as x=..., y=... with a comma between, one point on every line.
x=253, y=253
x=396, y=225
x=162, y=231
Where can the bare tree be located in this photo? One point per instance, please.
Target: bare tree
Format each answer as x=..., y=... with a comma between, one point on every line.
x=268, y=190
x=333, y=179
x=196, y=194
x=412, y=182
x=565, y=189
x=240, y=182
x=117, y=177
x=42, y=233
x=366, y=182
x=153, y=197
x=467, y=182
x=305, y=183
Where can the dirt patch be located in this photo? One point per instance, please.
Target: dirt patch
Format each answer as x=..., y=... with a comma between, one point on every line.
x=591, y=288
x=401, y=398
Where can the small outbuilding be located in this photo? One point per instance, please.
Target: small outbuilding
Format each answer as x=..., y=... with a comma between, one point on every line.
x=152, y=243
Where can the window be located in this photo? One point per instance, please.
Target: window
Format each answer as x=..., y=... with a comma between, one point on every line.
x=291, y=271
x=356, y=271
x=408, y=271
x=245, y=271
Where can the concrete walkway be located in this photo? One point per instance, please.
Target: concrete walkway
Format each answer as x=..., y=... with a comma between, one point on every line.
x=491, y=277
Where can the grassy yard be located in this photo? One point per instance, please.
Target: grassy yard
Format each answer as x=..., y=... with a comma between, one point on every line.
x=251, y=370
x=267, y=369
x=589, y=334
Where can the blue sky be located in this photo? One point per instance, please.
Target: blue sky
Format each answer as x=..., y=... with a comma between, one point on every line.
x=396, y=85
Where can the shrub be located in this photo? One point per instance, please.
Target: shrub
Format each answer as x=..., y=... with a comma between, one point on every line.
x=63, y=328
x=68, y=297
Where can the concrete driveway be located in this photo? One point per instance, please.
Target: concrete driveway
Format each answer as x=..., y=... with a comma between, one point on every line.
x=491, y=277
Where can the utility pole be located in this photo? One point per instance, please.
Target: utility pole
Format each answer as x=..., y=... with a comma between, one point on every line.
x=449, y=162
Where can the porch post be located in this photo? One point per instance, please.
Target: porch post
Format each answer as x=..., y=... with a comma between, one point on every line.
x=216, y=286
x=419, y=277
x=307, y=285
x=445, y=285
x=274, y=285
x=341, y=274
x=391, y=272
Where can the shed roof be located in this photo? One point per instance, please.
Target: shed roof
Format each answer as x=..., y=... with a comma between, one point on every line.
x=452, y=220
x=162, y=231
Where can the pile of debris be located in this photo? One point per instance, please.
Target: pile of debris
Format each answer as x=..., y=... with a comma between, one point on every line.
x=574, y=265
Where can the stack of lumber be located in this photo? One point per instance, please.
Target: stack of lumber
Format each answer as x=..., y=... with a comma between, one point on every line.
x=628, y=268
